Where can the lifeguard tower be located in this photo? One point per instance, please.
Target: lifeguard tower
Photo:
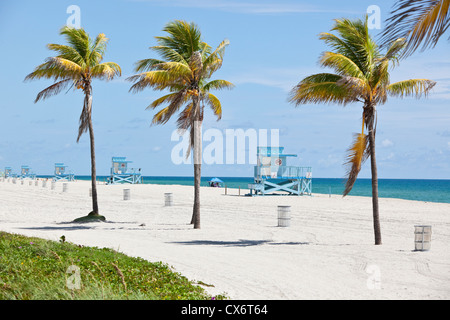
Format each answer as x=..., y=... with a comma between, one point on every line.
x=272, y=175
x=25, y=173
x=61, y=173
x=8, y=172
x=120, y=173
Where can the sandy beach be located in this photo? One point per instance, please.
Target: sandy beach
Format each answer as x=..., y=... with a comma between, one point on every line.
x=327, y=252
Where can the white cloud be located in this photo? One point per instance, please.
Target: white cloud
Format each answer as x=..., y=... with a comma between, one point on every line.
x=387, y=143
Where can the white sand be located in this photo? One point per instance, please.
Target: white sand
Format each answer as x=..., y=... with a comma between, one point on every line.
x=326, y=253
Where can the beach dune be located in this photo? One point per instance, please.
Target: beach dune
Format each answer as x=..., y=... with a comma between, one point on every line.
x=327, y=252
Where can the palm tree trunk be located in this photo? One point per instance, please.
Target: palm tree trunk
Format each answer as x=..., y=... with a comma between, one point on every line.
x=93, y=167
x=373, y=166
x=197, y=165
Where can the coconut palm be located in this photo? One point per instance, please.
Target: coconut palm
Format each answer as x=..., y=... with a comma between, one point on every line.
x=184, y=70
x=77, y=64
x=361, y=75
x=421, y=22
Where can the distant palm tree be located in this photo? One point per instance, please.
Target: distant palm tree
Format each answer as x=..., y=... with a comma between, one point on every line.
x=421, y=22
x=185, y=69
x=361, y=76
x=76, y=65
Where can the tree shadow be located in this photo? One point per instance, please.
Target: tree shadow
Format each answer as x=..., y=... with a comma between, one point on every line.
x=72, y=227
x=238, y=243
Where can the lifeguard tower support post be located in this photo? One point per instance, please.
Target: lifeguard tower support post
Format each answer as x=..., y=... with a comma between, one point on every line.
x=62, y=174
x=120, y=173
x=272, y=174
x=25, y=173
x=8, y=172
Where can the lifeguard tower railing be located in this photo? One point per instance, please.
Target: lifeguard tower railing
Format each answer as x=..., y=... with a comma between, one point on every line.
x=61, y=173
x=273, y=175
x=26, y=174
x=281, y=172
x=120, y=173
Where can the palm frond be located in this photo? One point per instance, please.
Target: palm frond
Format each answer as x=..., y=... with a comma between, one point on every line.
x=218, y=85
x=421, y=22
x=341, y=64
x=342, y=46
x=147, y=64
x=97, y=50
x=52, y=90
x=215, y=104
x=356, y=156
x=55, y=68
x=78, y=39
x=84, y=117
x=320, y=88
x=68, y=53
x=169, y=54
x=176, y=98
x=213, y=62
x=158, y=79
x=411, y=87
x=106, y=71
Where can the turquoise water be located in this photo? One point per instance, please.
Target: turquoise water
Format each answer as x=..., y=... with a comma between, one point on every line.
x=408, y=189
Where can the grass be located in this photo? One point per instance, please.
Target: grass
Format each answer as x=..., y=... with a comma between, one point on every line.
x=37, y=269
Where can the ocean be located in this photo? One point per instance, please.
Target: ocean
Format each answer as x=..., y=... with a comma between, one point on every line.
x=408, y=189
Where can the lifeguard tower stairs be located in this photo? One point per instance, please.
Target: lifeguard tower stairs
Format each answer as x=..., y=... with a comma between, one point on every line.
x=25, y=173
x=120, y=173
x=61, y=173
x=272, y=175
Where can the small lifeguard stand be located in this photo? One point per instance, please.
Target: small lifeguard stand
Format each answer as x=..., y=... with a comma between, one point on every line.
x=61, y=173
x=120, y=173
x=273, y=175
x=25, y=173
x=8, y=172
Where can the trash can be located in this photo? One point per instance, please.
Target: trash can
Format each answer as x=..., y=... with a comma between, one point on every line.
x=168, y=199
x=284, y=216
x=422, y=237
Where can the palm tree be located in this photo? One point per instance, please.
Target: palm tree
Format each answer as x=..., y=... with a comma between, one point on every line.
x=421, y=22
x=184, y=70
x=76, y=65
x=362, y=75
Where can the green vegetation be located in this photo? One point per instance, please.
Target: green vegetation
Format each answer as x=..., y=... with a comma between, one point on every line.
x=37, y=269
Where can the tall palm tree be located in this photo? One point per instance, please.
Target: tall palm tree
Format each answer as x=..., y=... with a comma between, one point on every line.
x=362, y=76
x=421, y=22
x=76, y=65
x=184, y=70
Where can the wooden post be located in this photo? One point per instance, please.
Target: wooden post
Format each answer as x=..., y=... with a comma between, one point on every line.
x=239, y=190
x=225, y=189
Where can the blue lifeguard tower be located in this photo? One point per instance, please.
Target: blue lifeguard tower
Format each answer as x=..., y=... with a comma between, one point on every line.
x=61, y=173
x=25, y=173
x=120, y=173
x=8, y=172
x=273, y=175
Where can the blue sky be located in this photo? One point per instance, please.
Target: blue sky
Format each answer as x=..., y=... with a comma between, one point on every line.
x=273, y=45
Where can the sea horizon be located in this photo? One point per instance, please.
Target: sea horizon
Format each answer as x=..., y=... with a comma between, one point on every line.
x=428, y=190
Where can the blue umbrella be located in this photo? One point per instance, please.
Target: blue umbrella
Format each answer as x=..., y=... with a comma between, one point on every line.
x=215, y=180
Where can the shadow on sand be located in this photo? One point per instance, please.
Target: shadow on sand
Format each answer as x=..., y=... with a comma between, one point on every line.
x=238, y=243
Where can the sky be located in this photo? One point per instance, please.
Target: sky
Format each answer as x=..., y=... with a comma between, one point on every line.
x=273, y=45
